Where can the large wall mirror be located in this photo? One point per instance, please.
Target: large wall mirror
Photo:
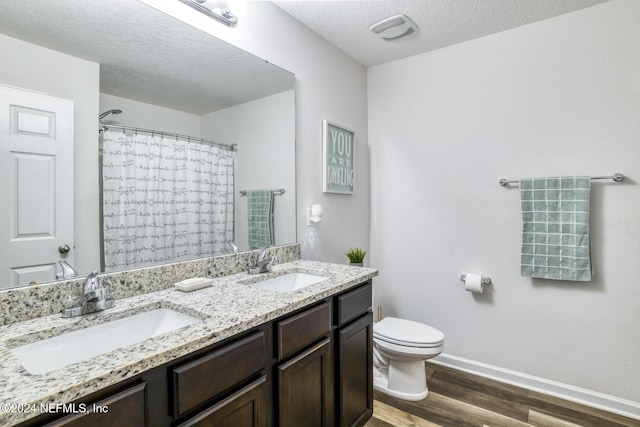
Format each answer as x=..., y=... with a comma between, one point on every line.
x=147, y=74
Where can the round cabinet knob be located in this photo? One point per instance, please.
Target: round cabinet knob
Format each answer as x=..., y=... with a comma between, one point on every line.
x=64, y=249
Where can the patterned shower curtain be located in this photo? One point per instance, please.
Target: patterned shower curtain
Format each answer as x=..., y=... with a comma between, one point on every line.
x=164, y=199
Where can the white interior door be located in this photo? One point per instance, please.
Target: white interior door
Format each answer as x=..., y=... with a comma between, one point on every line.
x=36, y=185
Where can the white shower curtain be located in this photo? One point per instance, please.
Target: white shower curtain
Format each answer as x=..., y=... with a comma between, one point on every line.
x=164, y=199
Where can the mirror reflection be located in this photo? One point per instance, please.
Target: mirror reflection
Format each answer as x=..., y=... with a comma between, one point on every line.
x=196, y=156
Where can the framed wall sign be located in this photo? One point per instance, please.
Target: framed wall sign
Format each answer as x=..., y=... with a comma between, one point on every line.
x=338, y=152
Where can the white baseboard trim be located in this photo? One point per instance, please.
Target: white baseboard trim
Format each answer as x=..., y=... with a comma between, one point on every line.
x=583, y=396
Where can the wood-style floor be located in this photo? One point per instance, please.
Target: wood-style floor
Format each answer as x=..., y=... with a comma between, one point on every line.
x=460, y=399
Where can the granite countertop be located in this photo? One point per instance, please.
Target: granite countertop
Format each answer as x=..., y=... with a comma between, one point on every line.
x=227, y=308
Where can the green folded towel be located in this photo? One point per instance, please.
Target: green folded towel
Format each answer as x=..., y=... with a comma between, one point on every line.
x=555, y=228
x=260, y=215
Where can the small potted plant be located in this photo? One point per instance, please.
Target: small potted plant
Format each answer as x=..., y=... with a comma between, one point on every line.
x=356, y=256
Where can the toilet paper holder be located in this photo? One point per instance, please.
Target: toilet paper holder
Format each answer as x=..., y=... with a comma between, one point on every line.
x=485, y=280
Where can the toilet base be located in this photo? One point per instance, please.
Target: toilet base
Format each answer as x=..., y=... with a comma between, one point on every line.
x=412, y=389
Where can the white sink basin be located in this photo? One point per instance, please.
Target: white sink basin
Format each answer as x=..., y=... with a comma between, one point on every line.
x=53, y=353
x=289, y=282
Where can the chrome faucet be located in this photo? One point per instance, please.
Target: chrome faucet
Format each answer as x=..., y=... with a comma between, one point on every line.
x=264, y=263
x=94, y=298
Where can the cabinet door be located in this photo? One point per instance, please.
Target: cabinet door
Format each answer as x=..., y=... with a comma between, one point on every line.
x=305, y=389
x=355, y=372
x=246, y=408
x=126, y=408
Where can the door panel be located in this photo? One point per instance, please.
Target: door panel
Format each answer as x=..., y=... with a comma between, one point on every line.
x=36, y=171
x=36, y=273
x=304, y=389
x=355, y=372
x=34, y=192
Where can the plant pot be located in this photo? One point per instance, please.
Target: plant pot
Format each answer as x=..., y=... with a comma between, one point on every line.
x=356, y=264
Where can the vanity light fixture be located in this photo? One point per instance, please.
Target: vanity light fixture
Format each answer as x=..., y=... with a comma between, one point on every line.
x=314, y=214
x=218, y=10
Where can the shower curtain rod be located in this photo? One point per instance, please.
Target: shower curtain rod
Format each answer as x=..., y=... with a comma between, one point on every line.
x=232, y=147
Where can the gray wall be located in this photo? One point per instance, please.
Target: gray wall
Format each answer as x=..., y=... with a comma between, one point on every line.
x=558, y=97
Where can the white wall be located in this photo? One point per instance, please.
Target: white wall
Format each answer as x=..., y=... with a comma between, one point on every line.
x=29, y=66
x=264, y=130
x=149, y=116
x=558, y=97
x=329, y=85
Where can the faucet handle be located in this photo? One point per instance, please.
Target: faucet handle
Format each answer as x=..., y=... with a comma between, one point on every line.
x=99, y=294
x=91, y=282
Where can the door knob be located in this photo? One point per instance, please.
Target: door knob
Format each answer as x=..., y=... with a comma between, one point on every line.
x=64, y=249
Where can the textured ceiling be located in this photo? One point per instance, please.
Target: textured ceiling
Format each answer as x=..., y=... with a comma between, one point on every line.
x=144, y=54
x=440, y=22
x=151, y=57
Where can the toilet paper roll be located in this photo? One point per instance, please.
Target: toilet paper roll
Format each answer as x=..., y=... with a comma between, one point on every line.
x=473, y=283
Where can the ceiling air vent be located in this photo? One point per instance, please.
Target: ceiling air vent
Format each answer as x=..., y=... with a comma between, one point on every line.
x=393, y=27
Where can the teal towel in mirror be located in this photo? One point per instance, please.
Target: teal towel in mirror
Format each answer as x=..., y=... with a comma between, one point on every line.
x=260, y=215
x=555, y=228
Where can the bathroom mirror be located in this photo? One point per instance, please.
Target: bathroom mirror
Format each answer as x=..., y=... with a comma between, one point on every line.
x=163, y=75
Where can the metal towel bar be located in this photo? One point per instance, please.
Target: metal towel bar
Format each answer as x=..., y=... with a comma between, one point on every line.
x=278, y=191
x=617, y=177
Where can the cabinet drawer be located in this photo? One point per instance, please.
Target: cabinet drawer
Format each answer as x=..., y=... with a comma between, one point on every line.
x=353, y=303
x=245, y=408
x=297, y=332
x=199, y=380
x=125, y=408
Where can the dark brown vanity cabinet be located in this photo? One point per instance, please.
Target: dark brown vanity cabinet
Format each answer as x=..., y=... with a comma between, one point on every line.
x=305, y=396
x=124, y=408
x=355, y=372
x=304, y=386
x=245, y=408
x=211, y=378
x=354, y=357
x=329, y=380
x=312, y=367
x=223, y=385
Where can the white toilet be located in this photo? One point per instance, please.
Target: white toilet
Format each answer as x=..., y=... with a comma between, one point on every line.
x=400, y=348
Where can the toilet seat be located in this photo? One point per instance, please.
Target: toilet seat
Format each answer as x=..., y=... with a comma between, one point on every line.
x=407, y=333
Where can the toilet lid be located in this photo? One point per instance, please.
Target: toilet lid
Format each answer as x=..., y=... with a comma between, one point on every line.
x=402, y=331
